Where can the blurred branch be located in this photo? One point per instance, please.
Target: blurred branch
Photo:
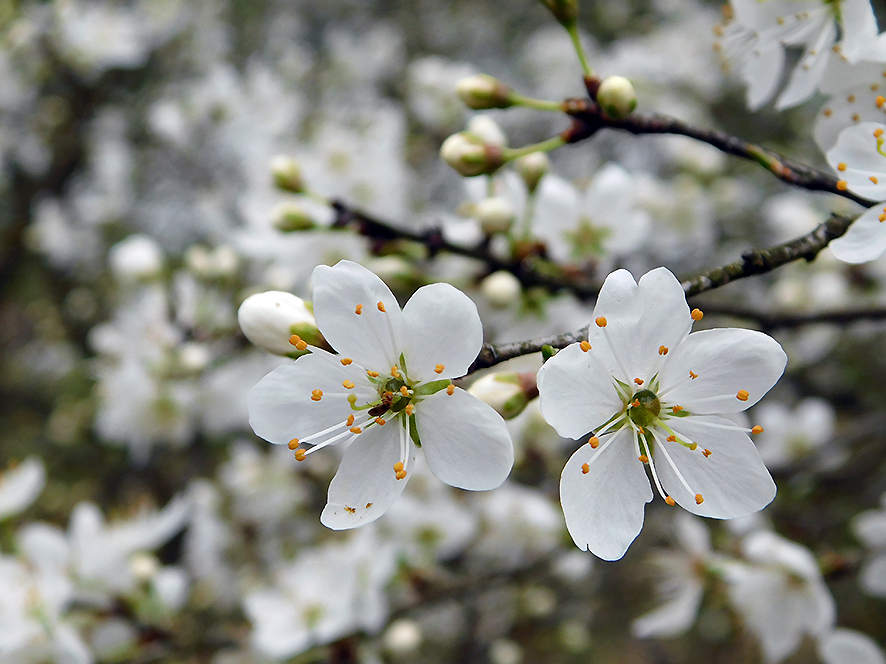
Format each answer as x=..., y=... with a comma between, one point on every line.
x=588, y=119
x=782, y=321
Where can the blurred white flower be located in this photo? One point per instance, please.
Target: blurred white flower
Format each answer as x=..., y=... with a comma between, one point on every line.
x=791, y=434
x=870, y=528
x=20, y=485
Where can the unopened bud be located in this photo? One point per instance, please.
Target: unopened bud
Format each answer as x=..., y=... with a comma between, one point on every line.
x=469, y=155
x=137, y=258
x=290, y=217
x=507, y=393
x=496, y=215
x=222, y=262
x=532, y=168
x=487, y=130
x=501, y=289
x=617, y=97
x=287, y=174
x=565, y=11
x=270, y=319
x=483, y=91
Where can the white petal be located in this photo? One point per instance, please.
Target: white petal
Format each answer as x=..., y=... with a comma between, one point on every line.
x=575, y=395
x=732, y=480
x=365, y=481
x=373, y=339
x=809, y=70
x=725, y=361
x=466, y=443
x=604, y=508
x=866, y=238
x=442, y=327
x=873, y=576
x=762, y=72
x=20, y=486
x=859, y=28
x=673, y=617
x=846, y=646
x=280, y=404
x=857, y=148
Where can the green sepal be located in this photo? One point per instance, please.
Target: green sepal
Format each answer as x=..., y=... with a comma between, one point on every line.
x=413, y=431
x=547, y=352
x=432, y=388
x=680, y=413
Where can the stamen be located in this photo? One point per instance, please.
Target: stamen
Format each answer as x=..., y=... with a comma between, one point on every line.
x=601, y=321
x=585, y=346
x=677, y=408
x=297, y=341
x=757, y=429
x=350, y=421
x=635, y=403
x=594, y=442
x=671, y=439
x=693, y=375
x=355, y=430
x=346, y=361
x=696, y=314
x=742, y=395
x=380, y=421
x=439, y=368
x=663, y=350
x=667, y=456
x=409, y=409
x=450, y=389
x=398, y=466
x=395, y=372
x=372, y=374
x=316, y=395
x=293, y=443
x=359, y=309
x=670, y=501
x=585, y=469
x=300, y=455
x=639, y=381
x=699, y=499
x=643, y=458
x=348, y=385
x=404, y=390
x=381, y=307
x=841, y=167
x=707, y=453
x=842, y=185
x=401, y=475
x=874, y=179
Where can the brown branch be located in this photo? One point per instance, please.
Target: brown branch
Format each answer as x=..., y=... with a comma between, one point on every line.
x=785, y=321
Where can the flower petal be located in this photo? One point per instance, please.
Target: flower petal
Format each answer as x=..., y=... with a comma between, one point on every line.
x=365, y=485
x=844, y=646
x=733, y=480
x=604, y=508
x=280, y=405
x=858, y=150
x=442, y=327
x=372, y=338
x=866, y=238
x=575, y=394
x=725, y=362
x=809, y=70
x=466, y=443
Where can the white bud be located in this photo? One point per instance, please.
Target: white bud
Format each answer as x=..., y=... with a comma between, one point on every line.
x=505, y=651
x=532, y=168
x=269, y=320
x=194, y=357
x=224, y=262
x=143, y=566
x=483, y=91
x=137, y=258
x=505, y=392
x=617, y=97
x=501, y=288
x=289, y=217
x=468, y=155
x=198, y=260
x=403, y=637
x=496, y=215
x=287, y=174
x=487, y=130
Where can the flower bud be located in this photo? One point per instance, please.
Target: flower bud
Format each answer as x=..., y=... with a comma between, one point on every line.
x=483, y=91
x=565, y=11
x=270, y=319
x=532, y=168
x=469, y=155
x=137, y=258
x=287, y=174
x=501, y=289
x=487, y=130
x=289, y=217
x=617, y=97
x=507, y=393
x=496, y=215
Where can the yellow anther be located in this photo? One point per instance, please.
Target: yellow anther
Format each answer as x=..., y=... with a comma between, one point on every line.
x=670, y=501
x=882, y=217
x=663, y=350
x=395, y=372
x=293, y=443
x=400, y=474
x=594, y=442
x=697, y=314
x=347, y=384
x=635, y=403
x=350, y=510
x=316, y=395
x=639, y=381
x=346, y=361
x=398, y=466
x=842, y=185
x=294, y=339
x=706, y=453
x=601, y=321
x=881, y=100
x=585, y=469
x=355, y=430
x=350, y=421
x=358, y=309
x=410, y=409
x=850, y=98
x=372, y=374
x=873, y=179
x=693, y=375
x=677, y=408
x=585, y=346
x=841, y=166
x=439, y=368
x=757, y=429
x=368, y=505
x=404, y=390
x=878, y=133
x=856, y=117
x=827, y=112
x=742, y=395
x=672, y=438
x=643, y=458
x=389, y=396
x=875, y=87
x=641, y=430
x=380, y=421
x=301, y=345
x=450, y=389
x=699, y=499
x=381, y=306
x=693, y=446
x=300, y=455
